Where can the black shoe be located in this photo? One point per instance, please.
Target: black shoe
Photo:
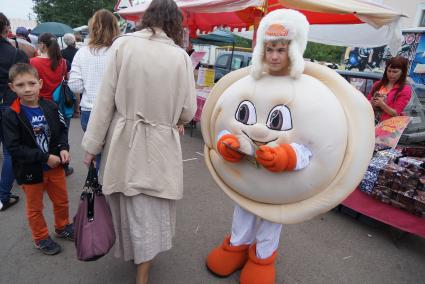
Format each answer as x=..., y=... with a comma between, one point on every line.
x=68, y=170
x=48, y=246
x=12, y=201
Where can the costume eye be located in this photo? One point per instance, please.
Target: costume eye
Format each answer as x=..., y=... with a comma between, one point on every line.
x=280, y=118
x=246, y=113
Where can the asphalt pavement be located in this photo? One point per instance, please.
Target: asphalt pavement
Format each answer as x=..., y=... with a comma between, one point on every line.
x=332, y=248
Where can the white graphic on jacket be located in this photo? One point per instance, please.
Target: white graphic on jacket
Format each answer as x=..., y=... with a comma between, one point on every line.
x=40, y=127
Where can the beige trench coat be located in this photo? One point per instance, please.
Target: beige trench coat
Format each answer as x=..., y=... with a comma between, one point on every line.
x=147, y=89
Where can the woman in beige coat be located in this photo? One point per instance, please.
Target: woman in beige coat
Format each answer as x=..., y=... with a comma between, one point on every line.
x=148, y=88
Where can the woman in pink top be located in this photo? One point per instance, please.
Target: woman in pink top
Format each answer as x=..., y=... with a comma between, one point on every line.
x=391, y=94
x=50, y=65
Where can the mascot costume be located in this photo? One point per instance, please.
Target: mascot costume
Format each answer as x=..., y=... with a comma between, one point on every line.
x=284, y=148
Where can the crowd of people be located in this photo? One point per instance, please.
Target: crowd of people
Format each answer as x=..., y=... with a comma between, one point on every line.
x=134, y=92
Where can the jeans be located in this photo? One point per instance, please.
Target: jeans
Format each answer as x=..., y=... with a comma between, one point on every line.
x=7, y=177
x=84, y=119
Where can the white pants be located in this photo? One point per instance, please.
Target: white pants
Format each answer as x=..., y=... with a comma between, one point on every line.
x=247, y=228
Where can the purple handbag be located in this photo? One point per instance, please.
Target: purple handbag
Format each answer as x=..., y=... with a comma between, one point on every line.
x=93, y=228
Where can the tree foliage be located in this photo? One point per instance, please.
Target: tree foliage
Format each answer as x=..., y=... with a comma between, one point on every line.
x=323, y=52
x=74, y=13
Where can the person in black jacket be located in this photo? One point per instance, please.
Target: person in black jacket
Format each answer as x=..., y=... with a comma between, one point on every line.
x=35, y=134
x=69, y=52
x=9, y=55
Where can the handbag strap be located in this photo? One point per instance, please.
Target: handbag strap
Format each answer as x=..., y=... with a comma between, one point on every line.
x=91, y=189
x=92, y=180
x=64, y=70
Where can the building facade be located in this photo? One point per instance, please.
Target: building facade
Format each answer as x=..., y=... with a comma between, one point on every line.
x=413, y=9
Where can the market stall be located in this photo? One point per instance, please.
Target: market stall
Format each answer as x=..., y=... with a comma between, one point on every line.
x=393, y=190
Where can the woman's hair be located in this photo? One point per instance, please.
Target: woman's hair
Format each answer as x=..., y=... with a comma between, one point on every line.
x=164, y=14
x=103, y=28
x=53, y=49
x=4, y=23
x=398, y=62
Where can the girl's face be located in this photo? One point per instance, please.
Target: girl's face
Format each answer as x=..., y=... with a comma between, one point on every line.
x=393, y=74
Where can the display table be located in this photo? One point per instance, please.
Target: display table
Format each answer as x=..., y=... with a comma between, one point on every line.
x=385, y=213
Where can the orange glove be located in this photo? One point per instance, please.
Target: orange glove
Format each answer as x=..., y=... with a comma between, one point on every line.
x=277, y=159
x=226, y=152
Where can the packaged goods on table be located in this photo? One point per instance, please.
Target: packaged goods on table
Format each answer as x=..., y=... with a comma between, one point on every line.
x=397, y=180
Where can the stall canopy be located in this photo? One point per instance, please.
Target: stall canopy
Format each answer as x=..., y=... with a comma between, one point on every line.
x=218, y=37
x=205, y=15
x=222, y=38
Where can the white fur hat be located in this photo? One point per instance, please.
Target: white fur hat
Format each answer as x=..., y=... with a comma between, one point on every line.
x=282, y=24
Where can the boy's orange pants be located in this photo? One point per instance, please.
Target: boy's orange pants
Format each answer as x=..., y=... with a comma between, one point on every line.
x=54, y=182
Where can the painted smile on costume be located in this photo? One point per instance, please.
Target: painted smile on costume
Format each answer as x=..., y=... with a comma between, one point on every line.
x=259, y=143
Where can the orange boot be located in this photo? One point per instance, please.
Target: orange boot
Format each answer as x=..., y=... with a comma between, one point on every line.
x=226, y=259
x=257, y=270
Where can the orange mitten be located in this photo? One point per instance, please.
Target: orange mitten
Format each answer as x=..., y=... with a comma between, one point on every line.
x=277, y=159
x=225, y=145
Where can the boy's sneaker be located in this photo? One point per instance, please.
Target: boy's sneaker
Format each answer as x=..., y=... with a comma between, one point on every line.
x=67, y=233
x=48, y=246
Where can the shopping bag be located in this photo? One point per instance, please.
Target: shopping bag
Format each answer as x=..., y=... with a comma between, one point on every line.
x=93, y=227
x=64, y=97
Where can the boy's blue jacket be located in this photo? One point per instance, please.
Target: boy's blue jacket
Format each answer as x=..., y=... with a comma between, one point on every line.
x=27, y=158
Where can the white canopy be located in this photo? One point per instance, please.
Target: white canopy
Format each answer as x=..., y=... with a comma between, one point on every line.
x=380, y=23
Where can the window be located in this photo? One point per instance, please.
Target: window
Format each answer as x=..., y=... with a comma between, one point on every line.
x=422, y=21
x=237, y=62
x=420, y=15
x=222, y=60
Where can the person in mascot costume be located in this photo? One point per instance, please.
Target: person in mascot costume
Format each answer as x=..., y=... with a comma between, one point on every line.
x=286, y=140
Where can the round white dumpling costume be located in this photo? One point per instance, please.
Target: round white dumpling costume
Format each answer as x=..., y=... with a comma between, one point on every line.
x=320, y=112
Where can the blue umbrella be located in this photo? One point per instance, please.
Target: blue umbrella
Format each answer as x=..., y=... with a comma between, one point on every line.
x=58, y=29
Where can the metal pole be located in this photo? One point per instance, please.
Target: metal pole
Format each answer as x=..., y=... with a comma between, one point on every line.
x=231, y=57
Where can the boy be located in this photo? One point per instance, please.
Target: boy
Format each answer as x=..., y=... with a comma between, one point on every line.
x=35, y=134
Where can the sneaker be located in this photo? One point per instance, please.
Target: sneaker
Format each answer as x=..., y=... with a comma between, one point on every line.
x=48, y=246
x=67, y=233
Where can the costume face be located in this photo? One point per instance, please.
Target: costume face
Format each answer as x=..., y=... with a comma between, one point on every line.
x=276, y=57
x=279, y=110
